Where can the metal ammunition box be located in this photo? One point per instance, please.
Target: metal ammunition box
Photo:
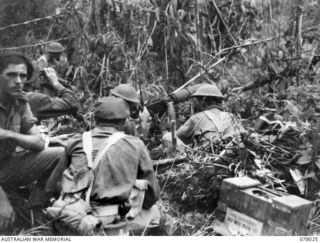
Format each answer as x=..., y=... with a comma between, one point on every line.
x=248, y=208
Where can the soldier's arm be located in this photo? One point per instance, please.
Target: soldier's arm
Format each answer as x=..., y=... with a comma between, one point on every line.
x=31, y=141
x=29, y=136
x=66, y=102
x=186, y=131
x=146, y=172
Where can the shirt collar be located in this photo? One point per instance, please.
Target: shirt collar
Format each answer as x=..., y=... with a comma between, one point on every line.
x=106, y=129
x=16, y=102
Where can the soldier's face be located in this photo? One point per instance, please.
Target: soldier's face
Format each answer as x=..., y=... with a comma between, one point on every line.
x=197, y=104
x=55, y=56
x=12, y=79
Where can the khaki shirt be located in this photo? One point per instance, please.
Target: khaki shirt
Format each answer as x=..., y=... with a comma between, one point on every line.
x=18, y=118
x=125, y=161
x=210, y=125
x=43, y=106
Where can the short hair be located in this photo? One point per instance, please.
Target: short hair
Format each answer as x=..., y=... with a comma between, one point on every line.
x=15, y=58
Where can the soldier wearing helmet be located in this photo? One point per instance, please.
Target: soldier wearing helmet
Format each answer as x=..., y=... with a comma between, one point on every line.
x=210, y=124
x=129, y=94
x=54, y=59
x=50, y=100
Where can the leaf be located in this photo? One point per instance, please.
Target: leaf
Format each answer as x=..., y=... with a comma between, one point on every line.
x=306, y=157
x=193, y=39
x=298, y=179
x=171, y=11
x=274, y=68
x=317, y=163
x=174, y=4
x=292, y=109
x=311, y=174
x=156, y=11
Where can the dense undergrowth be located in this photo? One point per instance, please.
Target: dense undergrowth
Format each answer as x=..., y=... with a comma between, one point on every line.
x=271, y=82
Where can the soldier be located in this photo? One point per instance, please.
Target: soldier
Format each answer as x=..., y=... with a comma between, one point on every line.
x=23, y=158
x=49, y=98
x=210, y=124
x=54, y=59
x=129, y=94
x=124, y=160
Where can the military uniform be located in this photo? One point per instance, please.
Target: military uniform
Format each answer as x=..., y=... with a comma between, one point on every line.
x=209, y=126
x=125, y=162
x=129, y=94
x=43, y=106
x=19, y=166
x=107, y=184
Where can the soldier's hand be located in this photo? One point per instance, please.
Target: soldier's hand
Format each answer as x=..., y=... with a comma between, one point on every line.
x=60, y=140
x=7, y=215
x=4, y=133
x=52, y=76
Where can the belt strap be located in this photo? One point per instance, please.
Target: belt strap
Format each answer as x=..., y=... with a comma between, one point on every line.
x=87, y=148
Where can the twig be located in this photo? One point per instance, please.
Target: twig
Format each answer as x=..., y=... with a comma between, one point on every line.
x=178, y=159
x=101, y=74
x=30, y=21
x=199, y=74
x=33, y=45
x=247, y=44
x=166, y=57
x=142, y=50
x=226, y=26
x=313, y=50
x=198, y=43
x=230, y=10
x=233, y=77
x=49, y=32
x=298, y=35
x=224, y=23
x=164, y=186
x=145, y=44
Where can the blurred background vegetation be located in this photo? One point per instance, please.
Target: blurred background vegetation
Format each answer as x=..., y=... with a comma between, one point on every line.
x=154, y=42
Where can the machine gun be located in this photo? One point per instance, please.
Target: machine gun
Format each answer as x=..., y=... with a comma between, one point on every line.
x=161, y=108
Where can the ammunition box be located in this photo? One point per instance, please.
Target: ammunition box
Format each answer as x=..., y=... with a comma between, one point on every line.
x=247, y=208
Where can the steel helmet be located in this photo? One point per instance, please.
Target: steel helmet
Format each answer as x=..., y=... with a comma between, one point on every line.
x=55, y=47
x=126, y=92
x=208, y=90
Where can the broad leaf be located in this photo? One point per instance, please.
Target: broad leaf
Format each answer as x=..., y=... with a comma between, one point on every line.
x=306, y=157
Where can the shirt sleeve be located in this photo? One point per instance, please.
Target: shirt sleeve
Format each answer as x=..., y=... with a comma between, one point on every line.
x=186, y=131
x=146, y=172
x=66, y=103
x=27, y=119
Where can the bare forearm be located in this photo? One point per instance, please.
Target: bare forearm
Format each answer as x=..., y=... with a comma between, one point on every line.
x=30, y=142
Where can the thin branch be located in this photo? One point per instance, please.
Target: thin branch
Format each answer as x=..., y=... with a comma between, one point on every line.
x=246, y=45
x=33, y=45
x=298, y=36
x=199, y=74
x=31, y=21
x=224, y=22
